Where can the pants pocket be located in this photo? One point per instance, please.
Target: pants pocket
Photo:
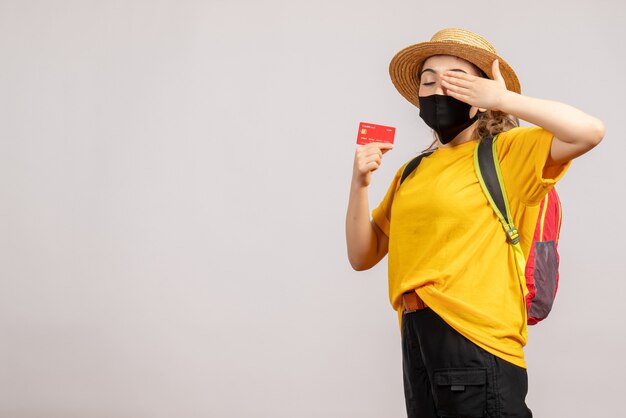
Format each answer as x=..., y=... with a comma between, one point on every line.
x=460, y=392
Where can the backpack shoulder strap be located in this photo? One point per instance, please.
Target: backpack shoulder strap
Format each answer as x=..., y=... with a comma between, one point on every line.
x=487, y=166
x=412, y=165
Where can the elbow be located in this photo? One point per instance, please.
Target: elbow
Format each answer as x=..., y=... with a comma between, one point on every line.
x=596, y=133
x=600, y=130
x=587, y=137
x=360, y=261
x=358, y=265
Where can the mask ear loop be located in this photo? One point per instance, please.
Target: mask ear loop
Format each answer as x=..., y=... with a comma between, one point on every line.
x=478, y=113
x=475, y=118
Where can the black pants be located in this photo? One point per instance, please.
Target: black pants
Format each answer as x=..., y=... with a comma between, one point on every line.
x=446, y=375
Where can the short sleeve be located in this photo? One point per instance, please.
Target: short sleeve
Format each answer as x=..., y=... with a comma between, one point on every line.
x=382, y=213
x=523, y=154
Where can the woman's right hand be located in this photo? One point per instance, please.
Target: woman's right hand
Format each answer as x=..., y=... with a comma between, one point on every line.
x=367, y=159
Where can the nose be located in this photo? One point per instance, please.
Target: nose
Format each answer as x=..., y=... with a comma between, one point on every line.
x=440, y=89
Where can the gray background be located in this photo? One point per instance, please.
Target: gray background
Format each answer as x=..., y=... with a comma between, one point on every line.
x=174, y=178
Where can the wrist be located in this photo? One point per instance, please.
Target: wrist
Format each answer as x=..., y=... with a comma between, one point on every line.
x=360, y=180
x=507, y=102
x=359, y=186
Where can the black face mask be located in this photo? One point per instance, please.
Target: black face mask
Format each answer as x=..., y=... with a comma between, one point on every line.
x=446, y=115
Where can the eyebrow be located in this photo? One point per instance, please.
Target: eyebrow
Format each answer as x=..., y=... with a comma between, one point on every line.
x=434, y=72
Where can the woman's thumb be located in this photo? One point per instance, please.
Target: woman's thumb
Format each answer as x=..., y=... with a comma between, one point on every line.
x=497, y=75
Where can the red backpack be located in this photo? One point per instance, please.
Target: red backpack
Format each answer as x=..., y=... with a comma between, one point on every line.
x=542, y=265
x=539, y=273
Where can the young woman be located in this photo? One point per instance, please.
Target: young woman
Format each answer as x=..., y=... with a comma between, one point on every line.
x=452, y=274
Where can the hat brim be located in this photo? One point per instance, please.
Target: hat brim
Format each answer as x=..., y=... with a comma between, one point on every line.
x=405, y=64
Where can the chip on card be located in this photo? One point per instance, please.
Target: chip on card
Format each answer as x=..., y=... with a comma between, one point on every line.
x=370, y=132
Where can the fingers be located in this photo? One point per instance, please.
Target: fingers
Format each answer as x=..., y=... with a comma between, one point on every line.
x=460, y=96
x=495, y=69
x=369, y=157
x=497, y=75
x=460, y=90
x=384, y=147
x=377, y=147
x=481, y=92
x=458, y=86
x=457, y=76
x=469, y=89
x=369, y=163
x=451, y=81
x=374, y=148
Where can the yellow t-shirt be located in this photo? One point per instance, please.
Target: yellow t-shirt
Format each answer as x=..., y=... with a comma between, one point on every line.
x=446, y=243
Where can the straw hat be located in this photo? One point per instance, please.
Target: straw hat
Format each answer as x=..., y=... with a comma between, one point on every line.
x=458, y=42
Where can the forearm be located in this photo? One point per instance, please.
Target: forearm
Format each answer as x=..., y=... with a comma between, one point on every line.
x=565, y=122
x=360, y=236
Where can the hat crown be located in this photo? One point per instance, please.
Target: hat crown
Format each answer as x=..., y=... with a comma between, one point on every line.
x=461, y=36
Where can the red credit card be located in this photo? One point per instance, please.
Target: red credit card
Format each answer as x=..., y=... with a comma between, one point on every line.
x=369, y=132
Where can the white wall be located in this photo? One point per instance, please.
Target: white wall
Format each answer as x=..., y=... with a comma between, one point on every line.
x=174, y=177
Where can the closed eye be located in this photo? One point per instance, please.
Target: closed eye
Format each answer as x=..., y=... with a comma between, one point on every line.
x=428, y=84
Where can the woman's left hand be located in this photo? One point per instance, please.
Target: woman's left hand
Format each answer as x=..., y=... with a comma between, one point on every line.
x=574, y=132
x=483, y=93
